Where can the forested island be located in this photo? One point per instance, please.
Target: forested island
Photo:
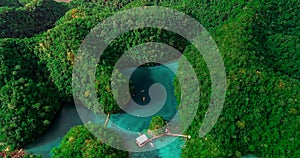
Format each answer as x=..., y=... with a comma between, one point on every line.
x=259, y=42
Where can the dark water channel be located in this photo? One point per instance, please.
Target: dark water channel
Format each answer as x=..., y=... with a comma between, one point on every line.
x=142, y=78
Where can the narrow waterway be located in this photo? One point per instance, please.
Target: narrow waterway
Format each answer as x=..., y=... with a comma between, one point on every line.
x=143, y=78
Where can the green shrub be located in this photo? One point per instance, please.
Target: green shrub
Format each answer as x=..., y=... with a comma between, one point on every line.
x=156, y=123
x=79, y=142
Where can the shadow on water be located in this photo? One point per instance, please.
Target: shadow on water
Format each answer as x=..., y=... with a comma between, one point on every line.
x=66, y=118
x=143, y=78
x=142, y=81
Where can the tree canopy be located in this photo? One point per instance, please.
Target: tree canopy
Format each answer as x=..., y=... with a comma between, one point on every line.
x=259, y=42
x=79, y=142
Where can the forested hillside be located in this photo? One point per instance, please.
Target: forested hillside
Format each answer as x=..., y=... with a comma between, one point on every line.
x=259, y=42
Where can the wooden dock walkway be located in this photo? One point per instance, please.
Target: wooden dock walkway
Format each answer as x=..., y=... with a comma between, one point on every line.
x=164, y=134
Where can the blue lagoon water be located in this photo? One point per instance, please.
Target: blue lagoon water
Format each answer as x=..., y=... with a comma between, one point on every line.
x=142, y=78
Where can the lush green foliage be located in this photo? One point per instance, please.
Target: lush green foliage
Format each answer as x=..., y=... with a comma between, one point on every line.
x=10, y=3
x=27, y=108
x=79, y=142
x=258, y=40
x=58, y=48
x=16, y=153
x=282, y=54
x=278, y=32
x=157, y=122
x=104, y=91
x=28, y=100
x=260, y=114
x=33, y=18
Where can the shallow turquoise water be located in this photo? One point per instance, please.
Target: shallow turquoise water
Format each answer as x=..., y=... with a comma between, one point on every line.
x=143, y=78
x=164, y=76
x=67, y=118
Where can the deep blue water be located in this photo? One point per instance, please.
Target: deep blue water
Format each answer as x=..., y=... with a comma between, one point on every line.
x=142, y=78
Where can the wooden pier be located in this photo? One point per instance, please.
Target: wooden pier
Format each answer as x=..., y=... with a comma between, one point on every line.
x=161, y=135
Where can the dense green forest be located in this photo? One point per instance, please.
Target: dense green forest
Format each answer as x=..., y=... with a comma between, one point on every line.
x=259, y=42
